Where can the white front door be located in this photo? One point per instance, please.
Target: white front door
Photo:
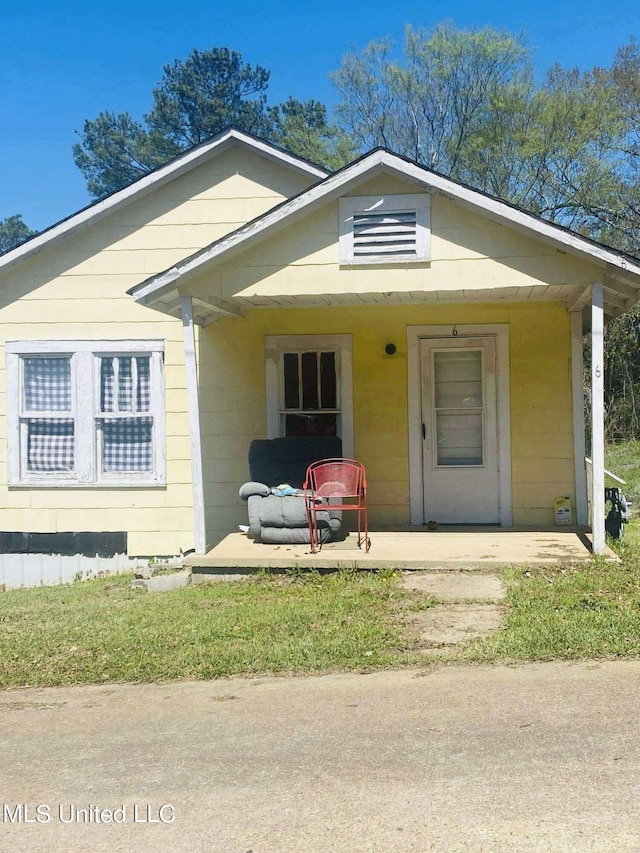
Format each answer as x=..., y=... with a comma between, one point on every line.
x=460, y=430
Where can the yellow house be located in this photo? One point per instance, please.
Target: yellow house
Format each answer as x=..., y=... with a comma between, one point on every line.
x=239, y=292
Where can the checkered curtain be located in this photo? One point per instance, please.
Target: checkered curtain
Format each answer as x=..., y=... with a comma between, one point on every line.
x=50, y=444
x=47, y=388
x=143, y=391
x=129, y=399
x=47, y=384
x=126, y=444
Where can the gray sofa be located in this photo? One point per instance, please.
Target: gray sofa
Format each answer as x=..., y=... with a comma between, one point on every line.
x=282, y=520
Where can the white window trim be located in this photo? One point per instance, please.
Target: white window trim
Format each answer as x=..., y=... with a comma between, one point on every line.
x=87, y=474
x=277, y=345
x=351, y=205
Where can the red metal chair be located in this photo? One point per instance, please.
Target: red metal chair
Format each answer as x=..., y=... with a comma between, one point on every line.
x=336, y=484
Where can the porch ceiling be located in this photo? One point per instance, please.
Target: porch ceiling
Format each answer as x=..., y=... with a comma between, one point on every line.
x=618, y=298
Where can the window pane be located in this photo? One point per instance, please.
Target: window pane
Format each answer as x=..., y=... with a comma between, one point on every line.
x=328, y=380
x=106, y=385
x=458, y=379
x=143, y=395
x=50, y=444
x=126, y=444
x=320, y=424
x=125, y=384
x=291, y=389
x=310, y=380
x=459, y=438
x=124, y=366
x=47, y=384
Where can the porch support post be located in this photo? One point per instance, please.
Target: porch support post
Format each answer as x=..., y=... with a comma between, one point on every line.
x=577, y=389
x=200, y=541
x=597, y=418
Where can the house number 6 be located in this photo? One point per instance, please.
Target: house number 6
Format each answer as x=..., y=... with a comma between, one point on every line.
x=455, y=332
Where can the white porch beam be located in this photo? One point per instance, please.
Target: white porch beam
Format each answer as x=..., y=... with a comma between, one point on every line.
x=597, y=417
x=200, y=539
x=577, y=391
x=581, y=300
x=221, y=306
x=173, y=307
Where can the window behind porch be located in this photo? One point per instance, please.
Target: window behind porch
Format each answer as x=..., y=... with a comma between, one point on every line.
x=309, y=399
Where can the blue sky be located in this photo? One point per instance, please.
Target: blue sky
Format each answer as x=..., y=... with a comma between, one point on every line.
x=63, y=62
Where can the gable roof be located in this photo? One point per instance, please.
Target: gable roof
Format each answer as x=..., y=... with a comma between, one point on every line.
x=622, y=270
x=179, y=165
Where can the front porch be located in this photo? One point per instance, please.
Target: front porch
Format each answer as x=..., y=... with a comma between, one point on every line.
x=407, y=548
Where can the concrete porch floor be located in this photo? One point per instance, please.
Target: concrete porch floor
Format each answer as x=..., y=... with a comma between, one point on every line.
x=409, y=548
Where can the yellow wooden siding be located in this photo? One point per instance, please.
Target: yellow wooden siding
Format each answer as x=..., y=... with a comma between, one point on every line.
x=468, y=252
x=384, y=184
x=540, y=387
x=77, y=290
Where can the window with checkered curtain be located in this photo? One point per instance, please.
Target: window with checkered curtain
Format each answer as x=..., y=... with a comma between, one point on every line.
x=49, y=429
x=88, y=416
x=124, y=426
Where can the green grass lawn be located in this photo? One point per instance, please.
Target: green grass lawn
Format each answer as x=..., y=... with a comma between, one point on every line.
x=623, y=459
x=101, y=630
x=575, y=611
x=566, y=613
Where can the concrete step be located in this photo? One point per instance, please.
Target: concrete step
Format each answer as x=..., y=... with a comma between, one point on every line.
x=468, y=608
x=456, y=585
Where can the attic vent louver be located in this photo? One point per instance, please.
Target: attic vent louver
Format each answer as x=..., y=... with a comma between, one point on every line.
x=384, y=230
x=384, y=233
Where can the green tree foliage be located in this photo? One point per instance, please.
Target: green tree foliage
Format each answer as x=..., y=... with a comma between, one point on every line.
x=197, y=98
x=623, y=226
x=13, y=231
x=466, y=103
x=568, y=156
x=303, y=129
x=622, y=377
x=433, y=105
x=209, y=91
x=114, y=151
